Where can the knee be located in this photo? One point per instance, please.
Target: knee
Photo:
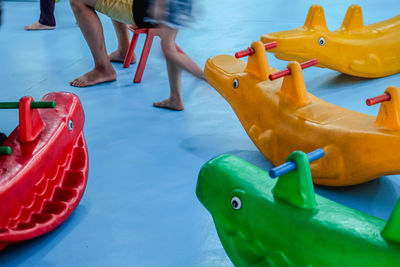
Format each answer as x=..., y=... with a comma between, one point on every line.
x=168, y=48
x=76, y=4
x=73, y=3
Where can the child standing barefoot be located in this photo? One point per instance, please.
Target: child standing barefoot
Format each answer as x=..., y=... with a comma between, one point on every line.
x=47, y=20
x=132, y=12
x=172, y=14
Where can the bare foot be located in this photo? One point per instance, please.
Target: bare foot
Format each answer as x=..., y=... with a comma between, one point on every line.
x=119, y=56
x=170, y=104
x=37, y=26
x=95, y=76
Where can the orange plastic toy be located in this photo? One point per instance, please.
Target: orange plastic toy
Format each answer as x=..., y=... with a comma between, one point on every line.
x=365, y=51
x=280, y=116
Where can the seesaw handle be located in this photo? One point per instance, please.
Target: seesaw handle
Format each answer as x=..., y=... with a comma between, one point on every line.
x=43, y=104
x=378, y=99
x=250, y=51
x=34, y=104
x=5, y=150
x=304, y=65
x=291, y=165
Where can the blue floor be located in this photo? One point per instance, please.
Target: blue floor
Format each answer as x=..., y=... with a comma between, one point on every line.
x=140, y=207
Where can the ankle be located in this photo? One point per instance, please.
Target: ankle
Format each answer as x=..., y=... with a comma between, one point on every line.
x=104, y=68
x=175, y=99
x=123, y=48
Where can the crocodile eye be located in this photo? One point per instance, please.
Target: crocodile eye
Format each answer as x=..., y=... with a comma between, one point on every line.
x=236, y=203
x=235, y=83
x=70, y=125
x=321, y=41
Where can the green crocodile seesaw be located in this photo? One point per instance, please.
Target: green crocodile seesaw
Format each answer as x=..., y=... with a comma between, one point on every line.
x=265, y=222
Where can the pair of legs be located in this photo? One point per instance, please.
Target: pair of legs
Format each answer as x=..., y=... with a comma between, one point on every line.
x=47, y=20
x=103, y=71
x=176, y=61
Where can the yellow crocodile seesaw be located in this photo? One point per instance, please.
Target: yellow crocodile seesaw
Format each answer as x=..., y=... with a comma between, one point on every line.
x=365, y=51
x=280, y=116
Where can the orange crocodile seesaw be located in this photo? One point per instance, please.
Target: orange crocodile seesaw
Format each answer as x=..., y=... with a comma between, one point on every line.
x=356, y=49
x=280, y=116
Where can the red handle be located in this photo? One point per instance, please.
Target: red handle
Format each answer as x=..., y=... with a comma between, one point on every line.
x=378, y=99
x=285, y=72
x=270, y=45
x=250, y=51
x=244, y=53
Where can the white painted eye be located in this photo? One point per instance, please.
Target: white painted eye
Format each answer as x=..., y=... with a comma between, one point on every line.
x=321, y=41
x=70, y=125
x=236, y=203
x=235, y=83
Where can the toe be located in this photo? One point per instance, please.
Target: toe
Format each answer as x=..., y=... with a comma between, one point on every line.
x=75, y=83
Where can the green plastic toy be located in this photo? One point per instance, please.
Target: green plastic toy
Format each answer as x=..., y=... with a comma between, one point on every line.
x=265, y=222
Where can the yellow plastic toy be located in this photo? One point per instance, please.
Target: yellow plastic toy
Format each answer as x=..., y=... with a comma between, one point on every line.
x=365, y=51
x=280, y=116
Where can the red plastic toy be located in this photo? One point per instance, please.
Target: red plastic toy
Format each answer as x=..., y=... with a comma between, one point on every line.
x=44, y=177
x=150, y=33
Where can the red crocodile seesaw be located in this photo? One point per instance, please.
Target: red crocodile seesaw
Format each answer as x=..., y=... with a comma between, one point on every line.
x=43, y=166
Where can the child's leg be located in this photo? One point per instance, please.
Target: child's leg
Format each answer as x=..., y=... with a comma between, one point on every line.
x=176, y=61
x=47, y=12
x=168, y=45
x=122, y=31
x=174, y=101
x=47, y=20
x=92, y=30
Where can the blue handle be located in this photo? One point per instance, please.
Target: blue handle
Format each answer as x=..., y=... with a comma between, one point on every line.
x=291, y=165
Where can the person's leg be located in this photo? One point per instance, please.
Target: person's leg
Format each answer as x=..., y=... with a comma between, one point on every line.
x=168, y=45
x=47, y=20
x=122, y=31
x=47, y=12
x=174, y=101
x=92, y=30
x=176, y=61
